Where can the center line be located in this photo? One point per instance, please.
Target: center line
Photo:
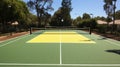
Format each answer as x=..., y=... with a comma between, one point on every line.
x=60, y=47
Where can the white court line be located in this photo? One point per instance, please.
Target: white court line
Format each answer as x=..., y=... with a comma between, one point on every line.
x=60, y=47
x=14, y=40
x=108, y=40
x=113, y=43
x=8, y=39
x=23, y=64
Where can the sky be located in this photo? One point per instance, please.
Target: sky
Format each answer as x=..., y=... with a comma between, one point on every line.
x=80, y=7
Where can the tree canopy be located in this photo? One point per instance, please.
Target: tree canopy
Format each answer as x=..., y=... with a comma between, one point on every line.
x=62, y=16
x=41, y=7
x=117, y=14
x=11, y=11
x=86, y=16
x=14, y=9
x=109, y=8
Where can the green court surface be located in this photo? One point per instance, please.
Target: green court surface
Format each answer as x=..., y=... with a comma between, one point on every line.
x=17, y=52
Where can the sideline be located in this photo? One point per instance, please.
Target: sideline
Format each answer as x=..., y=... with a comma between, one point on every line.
x=16, y=38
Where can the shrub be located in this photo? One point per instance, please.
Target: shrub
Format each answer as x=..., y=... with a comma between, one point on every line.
x=102, y=28
x=88, y=23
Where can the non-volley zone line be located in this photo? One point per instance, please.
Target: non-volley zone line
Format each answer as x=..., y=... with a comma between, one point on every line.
x=23, y=64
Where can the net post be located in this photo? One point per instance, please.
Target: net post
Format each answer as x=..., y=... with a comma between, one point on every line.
x=90, y=30
x=30, y=30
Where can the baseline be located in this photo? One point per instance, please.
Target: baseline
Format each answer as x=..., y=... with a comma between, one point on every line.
x=23, y=64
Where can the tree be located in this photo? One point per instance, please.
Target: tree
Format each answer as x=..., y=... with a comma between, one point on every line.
x=117, y=14
x=93, y=23
x=86, y=16
x=12, y=10
x=65, y=10
x=109, y=7
x=87, y=23
x=56, y=18
x=41, y=7
x=62, y=16
x=32, y=20
x=100, y=18
x=77, y=21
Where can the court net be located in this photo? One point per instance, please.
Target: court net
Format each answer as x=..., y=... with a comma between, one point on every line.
x=60, y=30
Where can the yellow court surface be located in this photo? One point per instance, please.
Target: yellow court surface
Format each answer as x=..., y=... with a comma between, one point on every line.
x=60, y=37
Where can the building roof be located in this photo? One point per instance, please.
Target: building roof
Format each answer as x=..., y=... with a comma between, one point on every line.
x=101, y=22
x=104, y=22
x=116, y=22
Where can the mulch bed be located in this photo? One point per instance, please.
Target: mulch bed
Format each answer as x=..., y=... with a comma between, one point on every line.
x=108, y=35
x=2, y=38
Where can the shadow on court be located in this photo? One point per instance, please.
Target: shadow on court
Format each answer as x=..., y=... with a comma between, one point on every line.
x=114, y=51
x=104, y=38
